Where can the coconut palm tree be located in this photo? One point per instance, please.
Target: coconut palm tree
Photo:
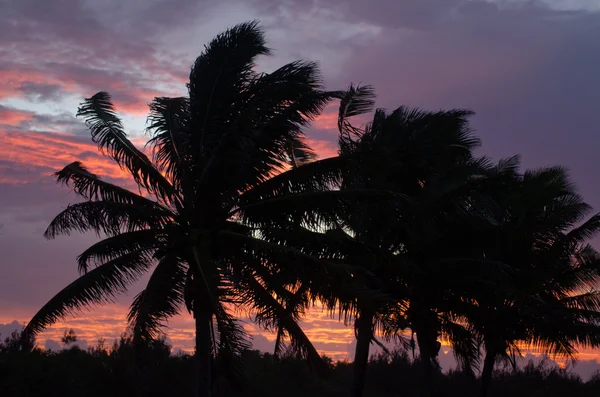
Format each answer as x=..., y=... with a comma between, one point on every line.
x=208, y=189
x=407, y=151
x=548, y=299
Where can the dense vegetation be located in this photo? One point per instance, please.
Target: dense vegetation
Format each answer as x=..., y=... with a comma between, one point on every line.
x=102, y=372
x=406, y=229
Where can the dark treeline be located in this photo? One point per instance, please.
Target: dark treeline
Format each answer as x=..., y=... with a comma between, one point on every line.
x=117, y=372
x=408, y=230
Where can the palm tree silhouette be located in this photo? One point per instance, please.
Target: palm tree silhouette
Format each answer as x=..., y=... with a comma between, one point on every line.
x=406, y=150
x=196, y=226
x=547, y=300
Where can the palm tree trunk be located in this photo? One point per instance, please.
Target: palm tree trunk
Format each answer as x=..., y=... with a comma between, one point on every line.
x=203, y=320
x=486, y=373
x=203, y=307
x=425, y=355
x=361, y=355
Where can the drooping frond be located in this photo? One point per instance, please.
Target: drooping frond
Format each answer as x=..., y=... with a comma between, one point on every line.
x=91, y=187
x=169, y=123
x=584, y=232
x=317, y=209
x=113, y=247
x=585, y=305
x=295, y=304
x=272, y=315
x=162, y=298
x=317, y=176
x=331, y=280
x=106, y=217
x=464, y=345
x=231, y=338
x=271, y=252
x=299, y=152
x=355, y=101
x=98, y=286
x=107, y=131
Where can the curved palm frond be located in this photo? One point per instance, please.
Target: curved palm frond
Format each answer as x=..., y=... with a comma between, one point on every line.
x=107, y=131
x=317, y=209
x=169, y=122
x=324, y=174
x=91, y=187
x=230, y=336
x=162, y=298
x=113, y=247
x=299, y=152
x=100, y=285
x=271, y=314
x=106, y=217
x=355, y=101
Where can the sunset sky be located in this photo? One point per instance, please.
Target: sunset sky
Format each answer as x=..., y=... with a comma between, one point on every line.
x=530, y=70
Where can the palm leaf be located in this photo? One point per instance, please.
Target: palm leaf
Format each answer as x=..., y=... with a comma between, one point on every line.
x=91, y=187
x=98, y=286
x=106, y=217
x=356, y=101
x=107, y=131
x=227, y=64
x=113, y=247
x=169, y=129
x=317, y=209
x=162, y=298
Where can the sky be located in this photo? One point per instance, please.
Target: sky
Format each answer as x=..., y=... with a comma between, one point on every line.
x=529, y=69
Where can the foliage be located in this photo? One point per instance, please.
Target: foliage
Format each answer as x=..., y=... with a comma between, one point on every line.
x=99, y=373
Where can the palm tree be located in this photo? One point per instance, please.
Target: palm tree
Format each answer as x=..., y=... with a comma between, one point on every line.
x=209, y=187
x=404, y=151
x=548, y=299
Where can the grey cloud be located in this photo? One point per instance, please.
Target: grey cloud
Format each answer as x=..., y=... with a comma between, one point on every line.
x=64, y=122
x=52, y=345
x=260, y=342
x=40, y=91
x=6, y=330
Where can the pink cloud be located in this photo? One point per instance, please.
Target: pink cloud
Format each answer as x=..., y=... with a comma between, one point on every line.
x=323, y=148
x=13, y=117
x=54, y=151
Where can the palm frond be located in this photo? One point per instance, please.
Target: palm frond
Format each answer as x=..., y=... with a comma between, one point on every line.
x=231, y=336
x=299, y=152
x=316, y=176
x=256, y=144
x=91, y=187
x=272, y=315
x=106, y=217
x=317, y=209
x=107, y=131
x=162, y=298
x=169, y=123
x=113, y=247
x=98, y=286
x=217, y=80
x=355, y=101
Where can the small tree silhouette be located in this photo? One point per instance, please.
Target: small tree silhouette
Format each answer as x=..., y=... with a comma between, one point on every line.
x=69, y=337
